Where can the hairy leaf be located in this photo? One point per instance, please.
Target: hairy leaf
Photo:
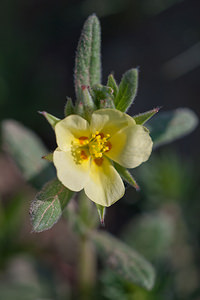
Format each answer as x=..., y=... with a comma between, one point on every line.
x=25, y=148
x=88, y=58
x=171, y=125
x=127, y=90
x=124, y=260
x=48, y=205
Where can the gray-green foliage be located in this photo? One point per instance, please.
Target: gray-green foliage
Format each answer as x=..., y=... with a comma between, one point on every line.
x=88, y=60
x=48, y=205
x=171, y=125
x=124, y=260
x=127, y=90
x=25, y=148
x=151, y=234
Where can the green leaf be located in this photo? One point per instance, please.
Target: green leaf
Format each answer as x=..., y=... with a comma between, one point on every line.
x=25, y=148
x=124, y=260
x=151, y=234
x=69, y=107
x=144, y=117
x=127, y=90
x=88, y=58
x=171, y=125
x=50, y=118
x=101, y=211
x=113, y=85
x=48, y=205
x=127, y=176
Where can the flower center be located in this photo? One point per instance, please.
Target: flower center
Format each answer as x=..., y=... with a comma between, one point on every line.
x=99, y=144
x=95, y=147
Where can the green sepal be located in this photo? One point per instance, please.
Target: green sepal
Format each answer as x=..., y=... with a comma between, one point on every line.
x=79, y=109
x=88, y=58
x=113, y=85
x=127, y=90
x=142, y=118
x=107, y=103
x=50, y=118
x=126, y=175
x=87, y=100
x=48, y=205
x=69, y=107
x=48, y=157
x=103, y=96
x=101, y=211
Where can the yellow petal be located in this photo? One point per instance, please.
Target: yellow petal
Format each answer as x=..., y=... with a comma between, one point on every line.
x=105, y=186
x=131, y=146
x=70, y=128
x=109, y=121
x=72, y=175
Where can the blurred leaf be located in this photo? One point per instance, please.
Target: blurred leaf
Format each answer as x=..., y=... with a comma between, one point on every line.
x=48, y=205
x=169, y=126
x=69, y=107
x=25, y=148
x=144, y=117
x=150, y=234
x=166, y=178
x=112, y=84
x=124, y=260
x=127, y=176
x=50, y=118
x=88, y=58
x=127, y=90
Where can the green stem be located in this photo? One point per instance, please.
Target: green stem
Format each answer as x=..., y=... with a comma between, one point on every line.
x=86, y=269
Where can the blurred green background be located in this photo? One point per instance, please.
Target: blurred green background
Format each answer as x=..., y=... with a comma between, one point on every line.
x=38, y=40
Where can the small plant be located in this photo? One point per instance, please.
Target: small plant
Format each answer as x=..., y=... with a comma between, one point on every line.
x=97, y=143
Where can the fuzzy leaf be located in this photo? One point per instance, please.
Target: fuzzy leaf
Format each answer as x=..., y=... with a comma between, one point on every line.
x=127, y=90
x=88, y=59
x=171, y=125
x=126, y=175
x=48, y=205
x=25, y=148
x=124, y=260
x=144, y=117
x=112, y=84
x=69, y=107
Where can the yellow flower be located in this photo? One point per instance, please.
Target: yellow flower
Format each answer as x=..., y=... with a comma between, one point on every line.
x=85, y=153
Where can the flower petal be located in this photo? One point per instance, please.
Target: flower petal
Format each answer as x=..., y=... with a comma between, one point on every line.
x=105, y=186
x=109, y=121
x=70, y=128
x=73, y=176
x=131, y=146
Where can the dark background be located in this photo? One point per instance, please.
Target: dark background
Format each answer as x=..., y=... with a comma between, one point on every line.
x=38, y=40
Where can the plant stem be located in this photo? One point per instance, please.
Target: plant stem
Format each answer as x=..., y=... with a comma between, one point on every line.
x=86, y=268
